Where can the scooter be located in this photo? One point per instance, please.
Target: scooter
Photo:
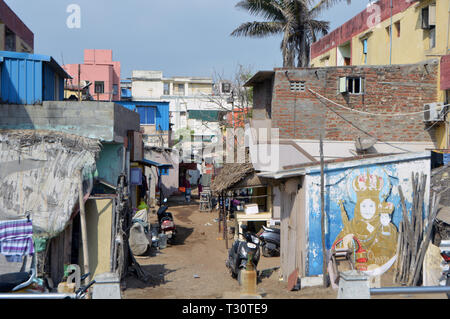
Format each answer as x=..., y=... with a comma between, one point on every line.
x=239, y=252
x=166, y=222
x=270, y=241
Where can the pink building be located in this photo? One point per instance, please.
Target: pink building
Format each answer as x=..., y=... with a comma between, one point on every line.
x=100, y=70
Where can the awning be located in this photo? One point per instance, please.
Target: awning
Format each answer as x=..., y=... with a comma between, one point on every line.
x=154, y=164
x=207, y=116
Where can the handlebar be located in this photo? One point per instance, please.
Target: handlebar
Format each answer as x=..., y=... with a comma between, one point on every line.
x=84, y=289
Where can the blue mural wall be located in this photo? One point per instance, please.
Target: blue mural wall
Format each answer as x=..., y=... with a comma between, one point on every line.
x=340, y=183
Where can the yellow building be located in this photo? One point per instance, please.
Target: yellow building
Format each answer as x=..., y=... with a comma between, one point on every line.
x=420, y=32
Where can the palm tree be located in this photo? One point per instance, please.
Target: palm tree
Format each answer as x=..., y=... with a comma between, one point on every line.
x=295, y=19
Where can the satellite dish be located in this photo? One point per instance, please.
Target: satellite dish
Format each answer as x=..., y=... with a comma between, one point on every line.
x=362, y=144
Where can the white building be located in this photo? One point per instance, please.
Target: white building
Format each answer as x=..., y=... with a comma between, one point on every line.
x=196, y=106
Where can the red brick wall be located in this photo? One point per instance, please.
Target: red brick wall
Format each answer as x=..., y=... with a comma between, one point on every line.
x=445, y=72
x=388, y=89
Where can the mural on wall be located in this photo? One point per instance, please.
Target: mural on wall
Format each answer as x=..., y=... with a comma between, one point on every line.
x=370, y=234
x=363, y=211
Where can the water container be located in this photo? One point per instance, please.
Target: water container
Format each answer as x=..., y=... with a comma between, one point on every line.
x=162, y=241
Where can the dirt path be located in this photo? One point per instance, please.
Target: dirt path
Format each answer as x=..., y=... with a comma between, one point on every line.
x=199, y=252
x=194, y=267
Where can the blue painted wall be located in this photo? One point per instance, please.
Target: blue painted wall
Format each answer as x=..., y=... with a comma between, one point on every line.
x=162, y=112
x=338, y=186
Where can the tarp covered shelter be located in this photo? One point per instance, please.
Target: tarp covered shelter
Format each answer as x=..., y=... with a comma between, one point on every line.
x=39, y=176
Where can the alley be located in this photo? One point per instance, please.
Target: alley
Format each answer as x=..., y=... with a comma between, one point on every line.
x=194, y=267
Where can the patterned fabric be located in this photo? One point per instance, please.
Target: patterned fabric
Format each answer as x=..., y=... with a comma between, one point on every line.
x=16, y=237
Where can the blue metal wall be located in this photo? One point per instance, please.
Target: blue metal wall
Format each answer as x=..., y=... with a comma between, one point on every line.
x=29, y=79
x=21, y=81
x=162, y=112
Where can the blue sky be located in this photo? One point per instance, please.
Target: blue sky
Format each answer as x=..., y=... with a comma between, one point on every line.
x=178, y=37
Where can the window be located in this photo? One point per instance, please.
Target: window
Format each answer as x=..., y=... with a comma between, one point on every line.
x=432, y=36
x=147, y=114
x=163, y=171
x=351, y=85
x=226, y=87
x=397, y=28
x=181, y=88
x=115, y=89
x=166, y=89
x=99, y=87
x=364, y=42
x=297, y=86
x=10, y=40
x=429, y=16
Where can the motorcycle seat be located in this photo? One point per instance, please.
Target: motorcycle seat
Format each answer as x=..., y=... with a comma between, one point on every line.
x=9, y=281
x=273, y=230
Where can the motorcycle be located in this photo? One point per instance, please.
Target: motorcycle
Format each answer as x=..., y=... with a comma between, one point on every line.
x=166, y=222
x=239, y=252
x=270, y=241
x=21, y=285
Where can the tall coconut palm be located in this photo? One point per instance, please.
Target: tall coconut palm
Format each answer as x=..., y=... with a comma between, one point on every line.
x=294, y=19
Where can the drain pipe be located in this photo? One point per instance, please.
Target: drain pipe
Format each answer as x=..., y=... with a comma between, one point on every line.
x=390, y=46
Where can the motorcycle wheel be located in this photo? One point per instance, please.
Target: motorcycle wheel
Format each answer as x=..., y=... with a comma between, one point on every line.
x=239, y=277
x=265, y=251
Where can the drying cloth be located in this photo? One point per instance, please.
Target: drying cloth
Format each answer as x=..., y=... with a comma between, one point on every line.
x=16, y=237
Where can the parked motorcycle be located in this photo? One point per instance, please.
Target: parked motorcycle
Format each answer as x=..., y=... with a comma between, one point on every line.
x=166, y=222
x=21, y=285
x=270, y=241
x=239, y=253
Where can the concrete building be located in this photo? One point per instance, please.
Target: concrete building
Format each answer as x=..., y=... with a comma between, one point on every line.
x=101, y=71
x=14, y=34
x=419, y=32
x=195, y=107
x=381, y=113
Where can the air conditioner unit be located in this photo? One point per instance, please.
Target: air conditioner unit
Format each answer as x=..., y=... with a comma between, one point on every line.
x=434, y=112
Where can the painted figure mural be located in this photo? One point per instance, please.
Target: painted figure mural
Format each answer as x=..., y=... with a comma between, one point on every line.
x=370, y=233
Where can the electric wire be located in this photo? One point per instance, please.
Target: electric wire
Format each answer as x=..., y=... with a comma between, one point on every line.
x=369, y=113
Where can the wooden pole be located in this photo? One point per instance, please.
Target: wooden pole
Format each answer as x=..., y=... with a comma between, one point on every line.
x=322, y=219
x=83, y=227
x=225, y=228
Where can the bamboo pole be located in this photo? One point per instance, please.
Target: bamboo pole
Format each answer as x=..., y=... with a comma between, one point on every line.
x=83, y=226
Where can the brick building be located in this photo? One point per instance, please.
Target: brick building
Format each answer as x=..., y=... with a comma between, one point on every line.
x=344, y=103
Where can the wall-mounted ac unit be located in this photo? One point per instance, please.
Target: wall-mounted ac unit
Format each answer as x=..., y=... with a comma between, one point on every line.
x=434, y=112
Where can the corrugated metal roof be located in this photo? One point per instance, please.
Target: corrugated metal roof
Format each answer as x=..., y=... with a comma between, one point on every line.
x=36, y=57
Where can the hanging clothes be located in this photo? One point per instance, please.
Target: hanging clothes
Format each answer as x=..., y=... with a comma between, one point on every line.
x=16, y=238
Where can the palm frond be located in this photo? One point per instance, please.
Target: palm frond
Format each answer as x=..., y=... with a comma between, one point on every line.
x=258, y=29
x=323, y=5
x=267, y=9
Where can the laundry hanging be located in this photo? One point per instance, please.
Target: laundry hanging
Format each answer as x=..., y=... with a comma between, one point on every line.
x=16, y=237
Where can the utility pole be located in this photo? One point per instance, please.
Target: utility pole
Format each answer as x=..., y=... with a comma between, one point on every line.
x=79, y=83
x=322, y=219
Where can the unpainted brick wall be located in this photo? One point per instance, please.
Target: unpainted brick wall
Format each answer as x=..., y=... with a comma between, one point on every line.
x=388, y=89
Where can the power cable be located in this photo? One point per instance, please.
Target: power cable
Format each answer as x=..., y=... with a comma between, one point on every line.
x=369, y=113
